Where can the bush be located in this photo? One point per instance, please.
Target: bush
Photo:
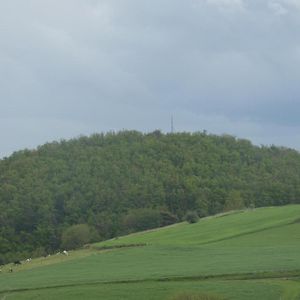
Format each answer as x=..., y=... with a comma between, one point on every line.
x=38, y=252
x=141, y=219
x=75, y=236
x=191, y=217
x=188, y=296
x=234, y=201
x=167, y=218
x=2, y=260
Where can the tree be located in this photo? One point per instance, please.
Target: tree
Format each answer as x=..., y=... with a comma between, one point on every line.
x=141, y=219
x=192, y=217
x=98, y=180
x=234, y=201
x=75, y=236
x=167, y=218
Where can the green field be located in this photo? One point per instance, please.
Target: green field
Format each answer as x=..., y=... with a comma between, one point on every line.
x=252, y=254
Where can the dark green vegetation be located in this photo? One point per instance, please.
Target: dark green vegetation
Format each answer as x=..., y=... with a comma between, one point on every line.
x=192, y=217
x=246, y=255
x=76, y=236
x=129, y=181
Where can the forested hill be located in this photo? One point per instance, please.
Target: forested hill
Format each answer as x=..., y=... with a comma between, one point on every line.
x=110, y=180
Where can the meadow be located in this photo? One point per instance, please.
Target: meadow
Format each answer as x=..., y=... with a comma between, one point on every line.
x=250, y=254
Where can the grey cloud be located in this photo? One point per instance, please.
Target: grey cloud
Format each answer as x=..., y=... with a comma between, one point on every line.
x=101, y=65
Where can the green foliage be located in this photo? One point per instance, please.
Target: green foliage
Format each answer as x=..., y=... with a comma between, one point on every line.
x=38, y=252
x=75, y=236
x=191, y=217
x=167, y=218
x=100, y=179
x=141, y=219
x=234, y=201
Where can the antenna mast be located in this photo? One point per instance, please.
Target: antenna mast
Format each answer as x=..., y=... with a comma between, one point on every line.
x=172, y=124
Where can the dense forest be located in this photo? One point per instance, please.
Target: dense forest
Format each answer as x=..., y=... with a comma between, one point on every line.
x=115, y=183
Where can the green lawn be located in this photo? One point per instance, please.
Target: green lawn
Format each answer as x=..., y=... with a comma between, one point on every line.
x=216, y=228
x=251, y=244
x=155, y=291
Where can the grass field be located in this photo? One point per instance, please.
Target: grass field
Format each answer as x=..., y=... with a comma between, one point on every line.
x=252, y=254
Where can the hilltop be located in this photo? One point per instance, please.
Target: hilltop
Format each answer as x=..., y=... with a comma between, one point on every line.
x=117, y=183
x=241, y=255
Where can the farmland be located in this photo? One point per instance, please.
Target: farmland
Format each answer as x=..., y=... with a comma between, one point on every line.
x=250, y=254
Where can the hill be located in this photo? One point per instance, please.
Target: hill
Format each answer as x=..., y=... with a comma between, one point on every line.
x=242, y=255
x=117, y=183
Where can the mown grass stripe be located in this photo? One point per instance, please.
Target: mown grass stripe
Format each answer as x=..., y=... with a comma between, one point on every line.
x=221, y=277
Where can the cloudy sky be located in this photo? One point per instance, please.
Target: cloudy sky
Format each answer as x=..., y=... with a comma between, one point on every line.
x=71, y=67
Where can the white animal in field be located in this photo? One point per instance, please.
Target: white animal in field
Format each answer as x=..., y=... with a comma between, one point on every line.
x=28, y=259
x=65, y=252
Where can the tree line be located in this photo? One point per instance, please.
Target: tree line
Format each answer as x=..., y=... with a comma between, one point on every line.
x=119, y=182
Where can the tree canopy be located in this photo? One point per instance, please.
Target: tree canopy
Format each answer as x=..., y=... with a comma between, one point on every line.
x=103, y=179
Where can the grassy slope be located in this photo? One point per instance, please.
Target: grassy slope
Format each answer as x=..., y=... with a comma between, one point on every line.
x=262, y=240
x=216, y=228
x=155, y=291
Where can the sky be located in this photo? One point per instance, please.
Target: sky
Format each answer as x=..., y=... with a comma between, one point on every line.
x=77, y=67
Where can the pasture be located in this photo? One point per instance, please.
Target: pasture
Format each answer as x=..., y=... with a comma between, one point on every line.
x=251, y=254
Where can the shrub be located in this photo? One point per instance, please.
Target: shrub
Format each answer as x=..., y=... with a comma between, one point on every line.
x=234, y=201
x=167, y=218
x=141, y=219
x=191, y=217
x=75, y=236
x=38, y=252
x=2, y=260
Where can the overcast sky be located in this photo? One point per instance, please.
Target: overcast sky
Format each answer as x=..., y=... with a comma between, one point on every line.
x=71, y=67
